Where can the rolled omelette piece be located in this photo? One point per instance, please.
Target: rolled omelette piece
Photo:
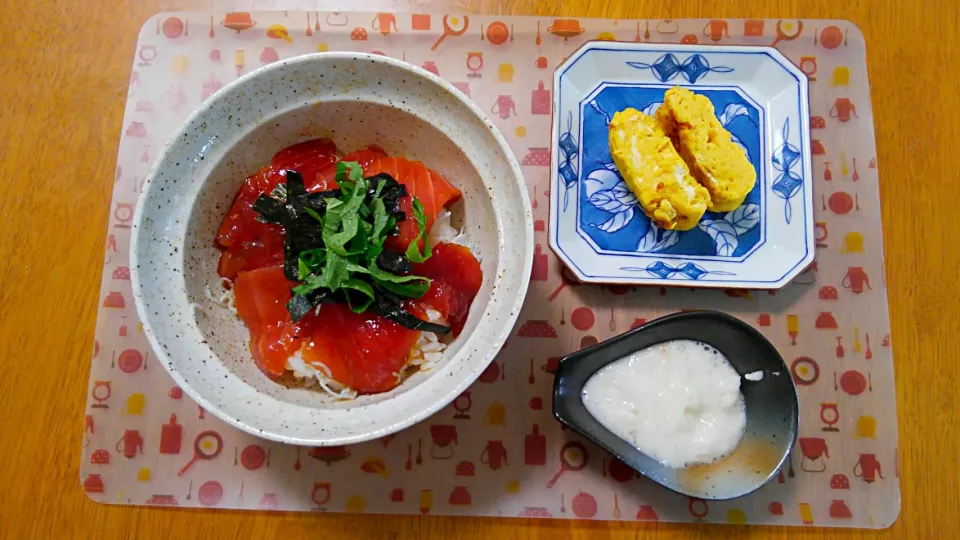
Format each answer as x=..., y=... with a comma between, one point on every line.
x=656, y=174
x=705, y=145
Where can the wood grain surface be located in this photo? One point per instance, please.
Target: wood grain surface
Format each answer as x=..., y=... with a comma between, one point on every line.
x=64, y=69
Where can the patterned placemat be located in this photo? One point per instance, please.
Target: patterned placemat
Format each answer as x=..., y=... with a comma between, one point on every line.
x=496, y=448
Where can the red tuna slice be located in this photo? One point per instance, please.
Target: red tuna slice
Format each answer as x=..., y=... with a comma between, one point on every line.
x=457, y=278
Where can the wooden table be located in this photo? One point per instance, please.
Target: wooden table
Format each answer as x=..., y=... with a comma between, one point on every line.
x=64, y=68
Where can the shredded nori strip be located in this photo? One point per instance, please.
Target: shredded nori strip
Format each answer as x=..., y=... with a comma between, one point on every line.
x=270, y=210
x=375, y=180
x=392, y=192
x=393, y=208
x=300, y=305
x=291, y=259
x=318, y=201
x=394, y=262
x=295, y=185
x=279, y=191
x=389, y=306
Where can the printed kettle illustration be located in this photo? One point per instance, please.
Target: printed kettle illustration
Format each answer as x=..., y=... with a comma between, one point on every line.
x=383, y=21
x=855, y=279
x=130, y=443
x=494, y=455
x=504, y=106
x=842, y=110
x=717, y=29
x=868, y=468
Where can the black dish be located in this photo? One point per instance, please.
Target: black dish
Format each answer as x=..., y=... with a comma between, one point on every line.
x=771, y=403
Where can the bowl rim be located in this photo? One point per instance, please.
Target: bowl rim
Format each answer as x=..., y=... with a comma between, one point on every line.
x=573, y=364
x=510, y=309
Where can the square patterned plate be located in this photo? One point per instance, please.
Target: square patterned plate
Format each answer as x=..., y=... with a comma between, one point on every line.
x=596, y=227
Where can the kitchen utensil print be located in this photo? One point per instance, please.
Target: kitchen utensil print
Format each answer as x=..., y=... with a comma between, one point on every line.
x=238, y=21
x=382, y=23
x=130, y=443
x=455, y=26
x=540, y=100
x=474, y=64
x=171, y=435
x=496, y=33
x=566, y=278
x=321, y=494
x=582, y=318
x=584, y=505
x=843, y=110
x=868, y=468
x=565, y=28
x=206, y=446
x=254, y=457
x=541, y=265
x=504, y=106
x=494, y=455
x=814, y=450
x=716, y=30
x=535, y=448
x=667, y=26
x=787, y=31
x=855, y=280
x=573, y=458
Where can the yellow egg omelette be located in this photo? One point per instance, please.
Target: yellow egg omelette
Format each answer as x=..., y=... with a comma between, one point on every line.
x=655, y=172
x=714, y=160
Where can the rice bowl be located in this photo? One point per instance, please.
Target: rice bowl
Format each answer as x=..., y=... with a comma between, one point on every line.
x=188, y=318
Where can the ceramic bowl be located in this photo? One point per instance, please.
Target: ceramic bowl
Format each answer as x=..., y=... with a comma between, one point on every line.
x=355, y=99
x=771, y=403
x=596, y=226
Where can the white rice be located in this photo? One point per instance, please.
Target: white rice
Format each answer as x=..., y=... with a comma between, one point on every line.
x=443, y=231
x=226, y=298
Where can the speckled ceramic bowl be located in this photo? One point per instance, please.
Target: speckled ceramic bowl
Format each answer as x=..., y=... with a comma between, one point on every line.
x=357, y=100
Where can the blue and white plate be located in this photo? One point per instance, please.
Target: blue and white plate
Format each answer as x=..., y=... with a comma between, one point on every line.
x=596, y=227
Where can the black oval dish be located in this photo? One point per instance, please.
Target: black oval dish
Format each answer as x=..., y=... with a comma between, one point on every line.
x=771, y=403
